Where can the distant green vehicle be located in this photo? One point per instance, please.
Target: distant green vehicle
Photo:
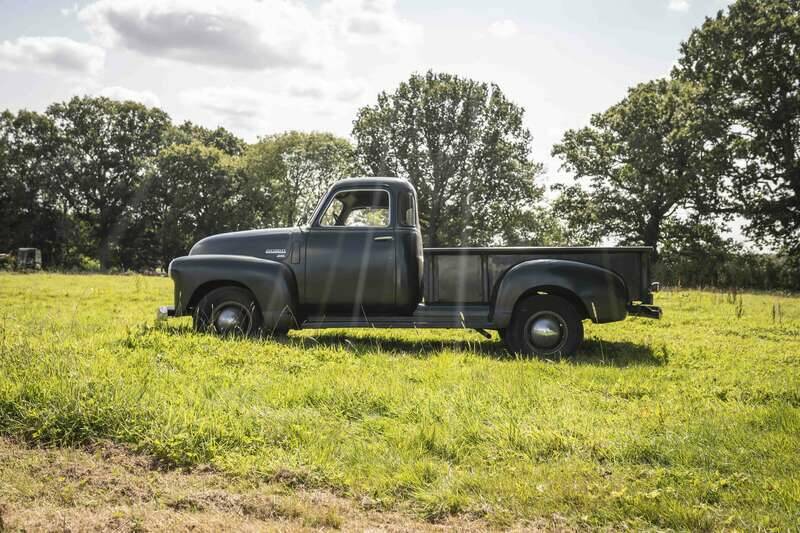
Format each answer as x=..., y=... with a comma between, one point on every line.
x=359, y=262
x=29, y=259
x=24, y=259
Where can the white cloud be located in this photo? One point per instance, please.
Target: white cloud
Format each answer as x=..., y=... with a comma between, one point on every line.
x=252, y=113
x=345, y=90
x=233, y=101
x=503, y=29
x=233, y=106
x=246, y=34
x=147, y=98
x=374, y=22
x=69, y=11
x=48, y=53
x=679, y=5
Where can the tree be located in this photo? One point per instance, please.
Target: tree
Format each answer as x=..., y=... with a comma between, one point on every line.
x=695, y=254
x=31, y=211
x=196, y=170
x=747, y=62
x=583, y=223
x=288, y=173
x=465, y=149
x=644, y=158
x=538, y=225
x=105, y=149
x=196, y=191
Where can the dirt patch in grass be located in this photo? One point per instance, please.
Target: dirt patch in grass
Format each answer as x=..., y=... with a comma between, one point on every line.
x=105, y=487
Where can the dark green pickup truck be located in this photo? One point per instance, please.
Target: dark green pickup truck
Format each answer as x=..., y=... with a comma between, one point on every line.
x=359, y=262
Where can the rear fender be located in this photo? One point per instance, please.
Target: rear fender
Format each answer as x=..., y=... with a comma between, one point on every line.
x=272, y=283
x=601, y=293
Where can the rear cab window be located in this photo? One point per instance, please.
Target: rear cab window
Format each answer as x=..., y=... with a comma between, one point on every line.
x=407, y=208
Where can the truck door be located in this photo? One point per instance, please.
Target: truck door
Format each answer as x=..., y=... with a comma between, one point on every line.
x=350, y=254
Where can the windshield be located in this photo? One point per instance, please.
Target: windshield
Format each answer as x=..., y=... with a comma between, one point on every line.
x=305, y=218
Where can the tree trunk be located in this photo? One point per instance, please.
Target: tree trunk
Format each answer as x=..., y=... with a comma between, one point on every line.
x=652, y=234
x=432, y=230
x=104, y=249
x=104, y=255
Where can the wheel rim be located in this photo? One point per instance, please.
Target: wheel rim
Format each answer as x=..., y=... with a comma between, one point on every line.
x=232, y=317
x=547, y=331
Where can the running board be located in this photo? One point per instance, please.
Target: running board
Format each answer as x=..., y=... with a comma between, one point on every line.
x=437, y=316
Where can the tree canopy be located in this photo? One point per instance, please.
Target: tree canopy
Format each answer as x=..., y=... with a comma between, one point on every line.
x=746, y=63
x=102, y=158
x=289, y=172
x=29, y=202
x=464, y=147
x=198, y=190
x=98, y=179
x=118, y=181
x=644, y=160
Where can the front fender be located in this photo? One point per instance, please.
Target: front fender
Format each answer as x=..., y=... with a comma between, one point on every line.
x=271, y=282
x=601, y=292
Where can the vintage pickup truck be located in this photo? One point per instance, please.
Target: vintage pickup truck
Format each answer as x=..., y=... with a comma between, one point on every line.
x=359, y=262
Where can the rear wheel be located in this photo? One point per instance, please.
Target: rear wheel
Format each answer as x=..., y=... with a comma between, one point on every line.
x=229, y=311
x=544, y=325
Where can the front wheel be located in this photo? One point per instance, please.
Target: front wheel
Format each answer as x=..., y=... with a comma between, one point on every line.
x=229, y=311
x=544, y=325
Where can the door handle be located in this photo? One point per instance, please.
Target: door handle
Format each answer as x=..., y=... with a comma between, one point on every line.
x=382, y=238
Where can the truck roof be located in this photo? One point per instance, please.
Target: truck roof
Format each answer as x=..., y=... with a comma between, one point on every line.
x=371, y=181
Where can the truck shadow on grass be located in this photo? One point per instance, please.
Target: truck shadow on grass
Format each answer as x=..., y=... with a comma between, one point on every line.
x=618, y=353
x=591, y=352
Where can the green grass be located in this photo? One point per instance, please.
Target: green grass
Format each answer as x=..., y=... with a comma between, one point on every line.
x=691, y=422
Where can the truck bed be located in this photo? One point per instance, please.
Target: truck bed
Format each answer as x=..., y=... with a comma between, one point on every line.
x=469, y=275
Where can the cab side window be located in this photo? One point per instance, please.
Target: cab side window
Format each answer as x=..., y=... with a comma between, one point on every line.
x=331, y=214
x=408, y=212
x=357, y=208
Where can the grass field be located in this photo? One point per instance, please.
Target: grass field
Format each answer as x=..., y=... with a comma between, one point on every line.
x=691, y=422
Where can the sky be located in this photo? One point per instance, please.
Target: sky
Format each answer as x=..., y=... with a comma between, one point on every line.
x=262, y=67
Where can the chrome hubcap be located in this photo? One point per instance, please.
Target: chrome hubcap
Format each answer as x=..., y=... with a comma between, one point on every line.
x=546, y=331
x=231, y=318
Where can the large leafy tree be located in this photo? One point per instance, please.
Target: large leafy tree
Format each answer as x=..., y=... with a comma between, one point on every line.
x=196, y=191
x=747, y=61
x=105, y=149
x=193, y=188
x=32, y=213
x=464, y=147
x=287, y=173
x=637, y=164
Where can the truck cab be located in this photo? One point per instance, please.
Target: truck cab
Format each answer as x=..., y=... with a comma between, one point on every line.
x=360, y=262
x=363, y=249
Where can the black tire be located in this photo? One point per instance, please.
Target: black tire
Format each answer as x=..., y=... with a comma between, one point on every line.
x=229, y=311
x=544, y=325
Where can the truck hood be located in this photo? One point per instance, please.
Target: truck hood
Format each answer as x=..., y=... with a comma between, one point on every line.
x=262, y=243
